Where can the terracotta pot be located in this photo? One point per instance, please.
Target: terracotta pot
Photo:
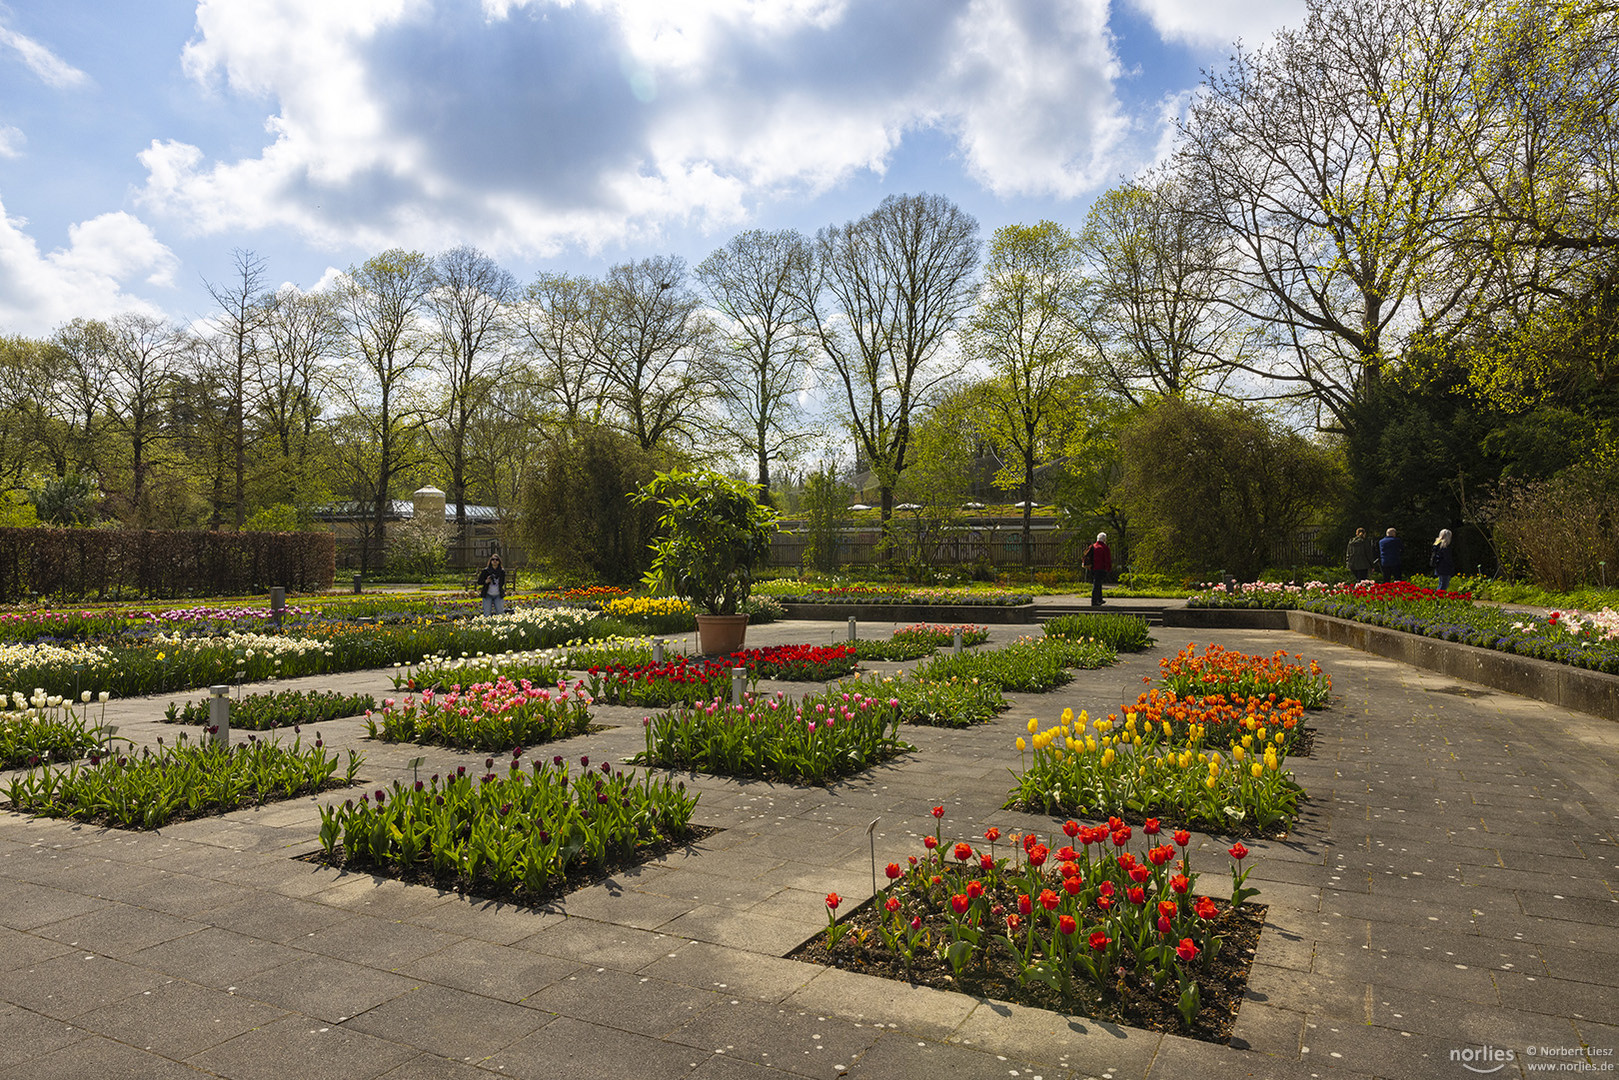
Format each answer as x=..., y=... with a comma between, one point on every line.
x=721, y=634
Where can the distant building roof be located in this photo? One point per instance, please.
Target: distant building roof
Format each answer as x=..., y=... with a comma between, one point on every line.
x=401, y=510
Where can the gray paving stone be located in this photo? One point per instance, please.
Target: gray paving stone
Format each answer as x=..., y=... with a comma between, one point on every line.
x=26, y=1035
x=1268, y=1029
x=917, y=1010
x=118, y=930
x=575, y=1049
x=747, y=929
x=214, y=957
x=601, y=944
x=1558, y=997
x=384, y=943
x=449, y=1023
x=728, y=971
x=18, y=949
x=320, y=986
x=1087, y=1047
x=305, y=1048
x=487, y=920
x=104, y=1059
x=1178, y=1057
x=178, y=1019
x=793, y=1040
x=433, y=1067
x=898, y=1056
x=494, y=971
x=282, y=919
x=27, y=906
x=74, y=983
x=638, y=1003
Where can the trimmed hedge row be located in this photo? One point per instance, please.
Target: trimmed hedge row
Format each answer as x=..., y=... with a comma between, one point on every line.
x=113, y=563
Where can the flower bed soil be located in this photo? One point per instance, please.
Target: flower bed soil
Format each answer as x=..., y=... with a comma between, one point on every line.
x=1129, y=1000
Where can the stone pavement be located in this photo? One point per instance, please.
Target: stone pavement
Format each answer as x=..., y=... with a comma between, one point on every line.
x=1451, y=887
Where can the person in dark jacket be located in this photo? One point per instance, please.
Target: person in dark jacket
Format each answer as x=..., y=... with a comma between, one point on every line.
x=1358, y=557
x=1388, y=556
x=1443, y=560
x=1098, y=560
x=492, y=586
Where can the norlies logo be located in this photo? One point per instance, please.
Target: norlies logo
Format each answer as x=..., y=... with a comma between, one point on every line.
x=1483, y=1059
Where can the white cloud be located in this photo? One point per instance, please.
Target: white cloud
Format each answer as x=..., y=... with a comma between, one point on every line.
x=12, y=140
x=528, y=125
x=50, y=68
x=86, y=278
x=1219, y=23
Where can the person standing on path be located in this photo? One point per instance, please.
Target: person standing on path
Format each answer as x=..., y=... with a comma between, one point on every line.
x=1358, y=557
x=1388, y=556
x=492, y=586
x=1443, y=560
x=1098, y=561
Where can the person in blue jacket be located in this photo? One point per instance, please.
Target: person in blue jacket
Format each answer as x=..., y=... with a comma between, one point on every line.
x=1388, y=556
x=1443, y=560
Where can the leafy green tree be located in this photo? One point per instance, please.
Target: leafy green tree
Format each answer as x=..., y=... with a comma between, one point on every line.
x=1026, y=329
x=1328, y=160
x=577, y=510
x=1220, y=486
x=823, y=507
x=65, y=500
x=712, y=532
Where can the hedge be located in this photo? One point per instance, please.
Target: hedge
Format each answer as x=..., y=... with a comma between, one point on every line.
x=114, y=563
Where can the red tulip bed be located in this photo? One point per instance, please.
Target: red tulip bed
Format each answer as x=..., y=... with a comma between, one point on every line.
x=687, y=681
x=1089, y=927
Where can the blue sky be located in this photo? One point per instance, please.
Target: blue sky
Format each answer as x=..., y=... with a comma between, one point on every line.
x=140, y=143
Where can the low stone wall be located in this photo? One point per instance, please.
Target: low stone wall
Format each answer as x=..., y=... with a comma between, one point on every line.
x=1226, y=618
x=1591, y=692
x=914, y=613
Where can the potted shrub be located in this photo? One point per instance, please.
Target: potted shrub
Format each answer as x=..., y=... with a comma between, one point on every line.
x=712, y=534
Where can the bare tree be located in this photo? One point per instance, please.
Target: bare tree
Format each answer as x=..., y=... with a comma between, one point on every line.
x=654, y=349
x=766, y=341
x=146, y=354
x=80, y=351
x=1328, y=157
x=302, y=331
x=560, y=321
x=886, y=292
x=234, y=346
x=470, y=301
x=381, y=304
x=1153, y=317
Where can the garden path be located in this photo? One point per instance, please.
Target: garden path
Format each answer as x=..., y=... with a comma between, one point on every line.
x=1450, y=885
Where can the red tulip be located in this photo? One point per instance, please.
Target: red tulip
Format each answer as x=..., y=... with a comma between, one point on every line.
x=1186, y=950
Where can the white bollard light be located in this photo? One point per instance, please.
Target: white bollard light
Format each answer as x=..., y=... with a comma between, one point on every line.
x=738, y=677
x=219, y=715
x=851, y=628
x=657, y=651
x=956, y=648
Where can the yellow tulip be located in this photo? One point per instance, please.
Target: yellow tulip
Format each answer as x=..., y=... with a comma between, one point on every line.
x=1033, y=725
x=1021, y=745
x=1258, y=770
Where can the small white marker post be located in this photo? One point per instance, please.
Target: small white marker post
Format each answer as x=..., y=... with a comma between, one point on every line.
x=737, y=677
x=657, y=651
x=851, y=628
x=219, y=715
x=956, y=648
x=871, y=835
